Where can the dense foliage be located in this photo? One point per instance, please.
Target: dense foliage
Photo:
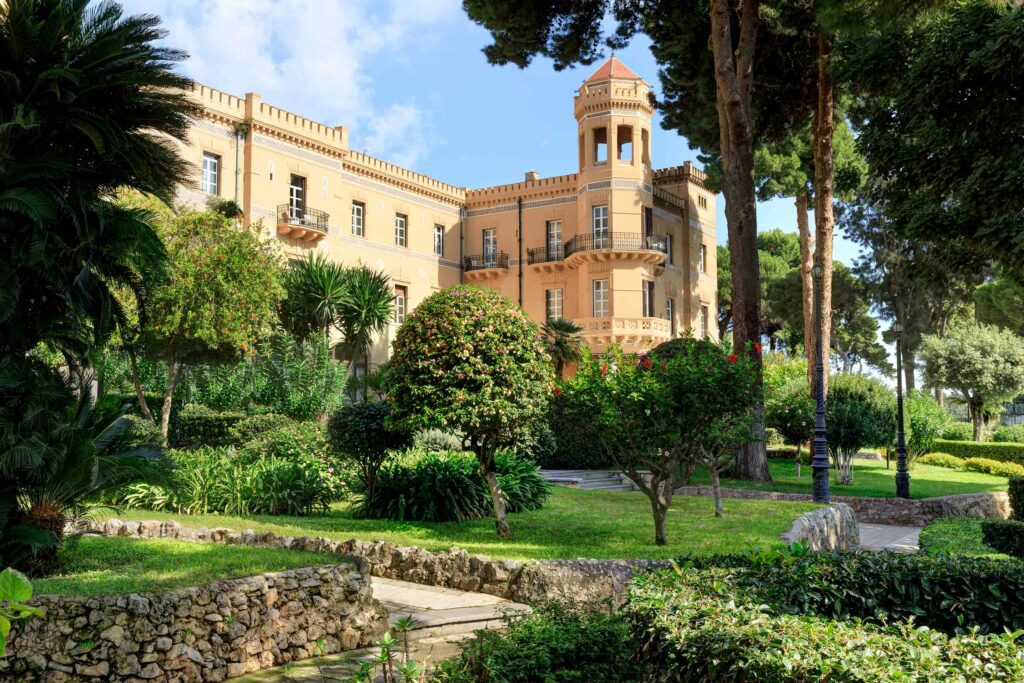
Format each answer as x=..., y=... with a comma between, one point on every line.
x=361, y=434
x=448, y=487
x=860, y=412
x=789, y=410
x=197, y=425
x=925, y=422
x=958, y=431
x=941, y=460
x=1004, y=535
x=1008, y=434
x=578, y=444
x=1007, y=452
x=1015, y=490
x=469, y=360
x=997, y=467
x=560, y=642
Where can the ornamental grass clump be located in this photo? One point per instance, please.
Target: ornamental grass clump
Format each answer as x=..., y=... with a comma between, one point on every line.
x=469, y=361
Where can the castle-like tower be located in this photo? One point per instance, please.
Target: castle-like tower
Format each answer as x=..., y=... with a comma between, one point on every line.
x=625, y=251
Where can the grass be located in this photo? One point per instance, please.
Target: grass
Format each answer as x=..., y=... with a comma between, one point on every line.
x=572, y=524
x=958, y=535
x=99, y=566
x=871, y=479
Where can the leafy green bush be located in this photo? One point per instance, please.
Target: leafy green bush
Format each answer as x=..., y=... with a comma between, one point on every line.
x=1008, y=434
x=1016, y=494
x=942, y=460
x=537, y=444
x=948, y=593
x=926, y=421
x=444, y=487
x=790, y=411
x=197, y=425
x=699, y=626
x=958, y=431
x=578, y=443
x=1006, y=452
x=213, y=480
x=996, y=467
x=957, y=535
x=249, y=428
x=300, y=442
x=361, y=434
x=772, y=438
x=436, y=441
x=561, y=642
x=860, y=412
x=1005, y=535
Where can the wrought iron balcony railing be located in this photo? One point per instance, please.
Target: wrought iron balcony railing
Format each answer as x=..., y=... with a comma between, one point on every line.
x=626, y=241
x=545, y=254
x=302, y=217
x=484, y=261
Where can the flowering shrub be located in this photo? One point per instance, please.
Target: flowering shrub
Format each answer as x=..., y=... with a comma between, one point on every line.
x=468, y=360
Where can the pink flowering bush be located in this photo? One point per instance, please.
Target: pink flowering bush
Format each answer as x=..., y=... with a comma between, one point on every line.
x=469, y=361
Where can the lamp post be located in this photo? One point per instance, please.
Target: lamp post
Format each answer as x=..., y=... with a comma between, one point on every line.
x=819, y=459
x=902, y=471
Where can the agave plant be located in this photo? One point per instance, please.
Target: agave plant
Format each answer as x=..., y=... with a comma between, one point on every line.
x=565, y=343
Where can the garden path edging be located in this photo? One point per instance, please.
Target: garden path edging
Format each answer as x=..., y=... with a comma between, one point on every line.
x=894, y=511
x=224, y=629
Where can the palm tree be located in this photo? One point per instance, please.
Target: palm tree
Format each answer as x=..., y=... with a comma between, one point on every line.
x=565, y=343
x=366, y=310
x=89, y=104
x=317, y=288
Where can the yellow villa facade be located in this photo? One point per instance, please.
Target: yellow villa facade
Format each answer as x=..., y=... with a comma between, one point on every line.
x=624, y=250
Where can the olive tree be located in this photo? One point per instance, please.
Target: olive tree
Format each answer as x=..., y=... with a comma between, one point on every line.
x=860, y=412
x=469, y=361
x=984, y=363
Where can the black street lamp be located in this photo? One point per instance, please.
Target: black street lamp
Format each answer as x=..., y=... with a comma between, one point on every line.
x=902, y=471
x=819, y=460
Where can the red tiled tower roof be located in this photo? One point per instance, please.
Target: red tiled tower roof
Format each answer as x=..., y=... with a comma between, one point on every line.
x=613, y=68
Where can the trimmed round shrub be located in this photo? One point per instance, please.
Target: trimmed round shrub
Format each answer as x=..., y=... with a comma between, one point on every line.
x=447, y=487
x=942, y=460
x=860, y=412
x=361, y=434
x=1008, y=434
x=958, y=431
x=996, y=467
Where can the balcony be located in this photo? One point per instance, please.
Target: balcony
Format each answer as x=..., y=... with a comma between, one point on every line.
x=546, y=259
x=301, y=223
x=633, y=335
x=629, y=246
x=485, y=266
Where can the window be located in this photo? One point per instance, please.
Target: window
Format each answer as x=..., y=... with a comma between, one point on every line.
x=553, y=305
x=438, y=240
x=648, y=220
x=702, y=201
x=600, y=145
x=401, y=297
x=670, y=316
x=553, y=233
x=401, y=222
x=702, y=264
x=490, y=242
x=358, y=218
x=624, y=143
x=297, y=197
x=600, y=298
x=670, y=256
x=211, y=173
x=647, y=290
x=703, y=322
x=600, y=227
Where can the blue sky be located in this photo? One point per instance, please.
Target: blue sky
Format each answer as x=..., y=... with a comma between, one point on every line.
x=409, y=79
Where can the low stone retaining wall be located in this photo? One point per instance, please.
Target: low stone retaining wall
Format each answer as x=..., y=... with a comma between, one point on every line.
x=210, y=633
x=827, y=528
x=899, y=511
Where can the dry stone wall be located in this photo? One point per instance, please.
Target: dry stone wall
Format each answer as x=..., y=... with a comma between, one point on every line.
x=833, y=527
x=209, y=633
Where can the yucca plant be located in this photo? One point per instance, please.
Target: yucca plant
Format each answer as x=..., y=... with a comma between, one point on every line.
x=365, y=312
x=316, y=289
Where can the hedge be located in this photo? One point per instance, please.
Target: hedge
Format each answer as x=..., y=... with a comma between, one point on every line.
x=196, y=425
x=941, y=460
x=1004, y=535
x=697, y=626
x=1016, y=493
x=1007, y=452
x=999, y=468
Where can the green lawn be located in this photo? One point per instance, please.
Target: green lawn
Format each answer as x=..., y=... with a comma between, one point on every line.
x=573, y=524
x=98, y=566
x=872, y=479
x=959, y=535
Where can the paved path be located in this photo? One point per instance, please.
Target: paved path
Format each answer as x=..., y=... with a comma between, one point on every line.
x=443, y=616
x=898, y=539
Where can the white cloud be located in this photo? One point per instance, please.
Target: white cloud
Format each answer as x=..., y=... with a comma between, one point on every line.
x=312, y=57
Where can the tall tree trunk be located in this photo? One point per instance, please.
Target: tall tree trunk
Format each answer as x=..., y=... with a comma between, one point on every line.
x=137, y=383
x=977, y=420
x=824, y=170
x=490, y=475
x=734, y=74
x=806, y=283
x=940, y=397
x=175, y=372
